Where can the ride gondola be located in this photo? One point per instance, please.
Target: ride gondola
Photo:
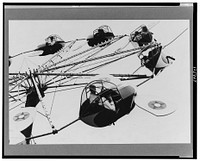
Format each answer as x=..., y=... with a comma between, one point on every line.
x=100, y=35
x=156, y=60
x=24, y=118
x=53, y=44
x=142, y=36
x=103, y=102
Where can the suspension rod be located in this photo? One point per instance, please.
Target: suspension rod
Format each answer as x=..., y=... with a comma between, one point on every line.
x=42, y=103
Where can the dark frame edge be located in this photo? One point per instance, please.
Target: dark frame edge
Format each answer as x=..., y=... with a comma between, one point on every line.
x=194, y=141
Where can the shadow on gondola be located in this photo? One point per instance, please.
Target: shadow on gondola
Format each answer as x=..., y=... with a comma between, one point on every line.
x=100, y=36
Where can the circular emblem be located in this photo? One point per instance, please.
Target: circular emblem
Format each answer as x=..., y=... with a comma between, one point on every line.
x=157, y=105
x=21, y=116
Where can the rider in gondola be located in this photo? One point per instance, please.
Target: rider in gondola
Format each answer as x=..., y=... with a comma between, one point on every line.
x=107, y=101
x=51, y=40
x=143, y=37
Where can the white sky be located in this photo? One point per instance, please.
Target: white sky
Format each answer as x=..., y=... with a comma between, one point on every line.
x=137, y=127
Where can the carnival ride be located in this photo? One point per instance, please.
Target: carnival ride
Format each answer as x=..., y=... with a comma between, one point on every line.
x=104, y=98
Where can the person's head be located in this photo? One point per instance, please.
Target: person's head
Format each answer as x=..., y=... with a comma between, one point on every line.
x=100, y=31
x=144, y=29
x=136, y=32
x=92, y=89
x=50, y=40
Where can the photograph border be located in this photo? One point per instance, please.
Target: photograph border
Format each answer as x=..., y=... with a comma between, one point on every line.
x=101, y=11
